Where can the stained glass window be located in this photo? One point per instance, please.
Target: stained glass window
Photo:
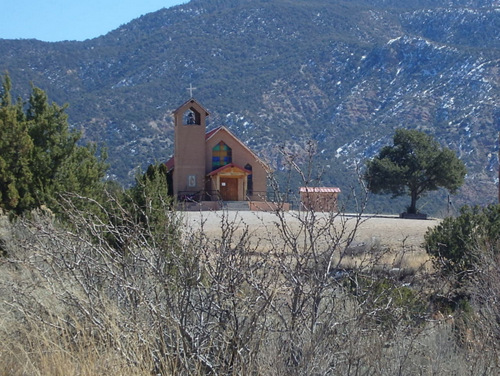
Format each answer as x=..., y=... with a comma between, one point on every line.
x=221, y=155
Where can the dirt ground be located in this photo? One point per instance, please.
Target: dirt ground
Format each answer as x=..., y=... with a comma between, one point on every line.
x=386, y=242
x=387, y=231
x=379, y=240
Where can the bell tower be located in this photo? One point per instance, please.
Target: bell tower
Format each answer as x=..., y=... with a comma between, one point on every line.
x=189, y=148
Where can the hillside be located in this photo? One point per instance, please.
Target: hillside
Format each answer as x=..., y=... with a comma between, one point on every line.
x=281, y=72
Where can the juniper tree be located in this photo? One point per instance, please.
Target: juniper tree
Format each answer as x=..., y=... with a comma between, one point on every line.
x=413, y=165
x=39, y=153
x=16, y=148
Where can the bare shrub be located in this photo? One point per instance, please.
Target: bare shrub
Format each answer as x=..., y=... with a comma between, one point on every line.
x=112, y=291
x=190, y=305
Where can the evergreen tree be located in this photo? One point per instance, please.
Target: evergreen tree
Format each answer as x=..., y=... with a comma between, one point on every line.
x=150, y=194
x=414, y=165
x=457, y=244
x=39, y=154
x=154, y=205
x=16, y=148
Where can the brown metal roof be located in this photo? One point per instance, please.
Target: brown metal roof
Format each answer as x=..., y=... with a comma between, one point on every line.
x=319, y=190
x=170, y=163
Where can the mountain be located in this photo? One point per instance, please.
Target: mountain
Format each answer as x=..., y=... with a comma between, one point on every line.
x=279, y=73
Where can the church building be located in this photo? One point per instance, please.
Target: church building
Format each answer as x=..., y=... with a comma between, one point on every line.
x=212, y=166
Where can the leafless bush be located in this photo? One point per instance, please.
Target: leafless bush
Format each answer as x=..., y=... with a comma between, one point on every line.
x=478, y=326
x=188, y=303
x=110, y=294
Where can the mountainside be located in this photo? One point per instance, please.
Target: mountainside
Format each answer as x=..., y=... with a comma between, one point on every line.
x=281, y=72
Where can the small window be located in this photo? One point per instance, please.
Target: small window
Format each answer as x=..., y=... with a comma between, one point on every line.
x=249, y=180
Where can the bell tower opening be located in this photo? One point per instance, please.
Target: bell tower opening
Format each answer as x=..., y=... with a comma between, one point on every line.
x=191, y=117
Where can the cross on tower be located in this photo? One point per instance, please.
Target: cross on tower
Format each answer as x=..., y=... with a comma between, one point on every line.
x=191, y=88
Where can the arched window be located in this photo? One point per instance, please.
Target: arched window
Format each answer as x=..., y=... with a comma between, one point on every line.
x=249, y=180
x=221, y=155
x=191, y=117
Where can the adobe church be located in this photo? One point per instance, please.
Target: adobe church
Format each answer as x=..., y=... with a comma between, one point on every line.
x=210, y=167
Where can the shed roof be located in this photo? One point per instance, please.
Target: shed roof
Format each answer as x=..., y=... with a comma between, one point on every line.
x=319, y=190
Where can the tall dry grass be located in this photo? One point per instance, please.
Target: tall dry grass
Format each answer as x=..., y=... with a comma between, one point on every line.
x=110, y=295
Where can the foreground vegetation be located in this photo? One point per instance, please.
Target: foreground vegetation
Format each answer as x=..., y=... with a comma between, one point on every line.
x=40, y=155
x=118, y=290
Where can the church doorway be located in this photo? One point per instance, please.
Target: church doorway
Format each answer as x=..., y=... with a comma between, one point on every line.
x=230, y=181
x=229, y=189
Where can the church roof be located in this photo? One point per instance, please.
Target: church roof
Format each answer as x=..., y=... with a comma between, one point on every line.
x=191, y=102
x=170, y=164
x=230, y=166
x=212, y=132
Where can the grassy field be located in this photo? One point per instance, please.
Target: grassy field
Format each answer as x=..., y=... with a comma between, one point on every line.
x=390, y=231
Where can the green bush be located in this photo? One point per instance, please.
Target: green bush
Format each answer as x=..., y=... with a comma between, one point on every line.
x=389, y=302
x=457, y=243
x=40, y=157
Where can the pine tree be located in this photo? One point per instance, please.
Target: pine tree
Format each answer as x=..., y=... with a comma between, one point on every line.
x=39, y=154
x=414, y=165
x=16, y=148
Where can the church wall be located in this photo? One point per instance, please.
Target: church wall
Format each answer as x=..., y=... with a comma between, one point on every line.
x=189, y=163
x=240, y=156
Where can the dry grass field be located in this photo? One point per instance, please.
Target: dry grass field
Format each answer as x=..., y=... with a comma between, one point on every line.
x=396, y=241
x=231, y=293
x=390, y=231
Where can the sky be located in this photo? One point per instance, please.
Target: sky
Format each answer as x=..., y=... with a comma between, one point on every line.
x=58, y=20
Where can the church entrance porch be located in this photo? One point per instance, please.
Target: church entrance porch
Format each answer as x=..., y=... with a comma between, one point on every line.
x=230, y=181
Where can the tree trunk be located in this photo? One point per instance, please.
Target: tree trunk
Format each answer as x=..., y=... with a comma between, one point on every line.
x=412, y=209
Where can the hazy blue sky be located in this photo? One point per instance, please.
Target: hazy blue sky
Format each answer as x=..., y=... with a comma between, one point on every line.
x=56, y=20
